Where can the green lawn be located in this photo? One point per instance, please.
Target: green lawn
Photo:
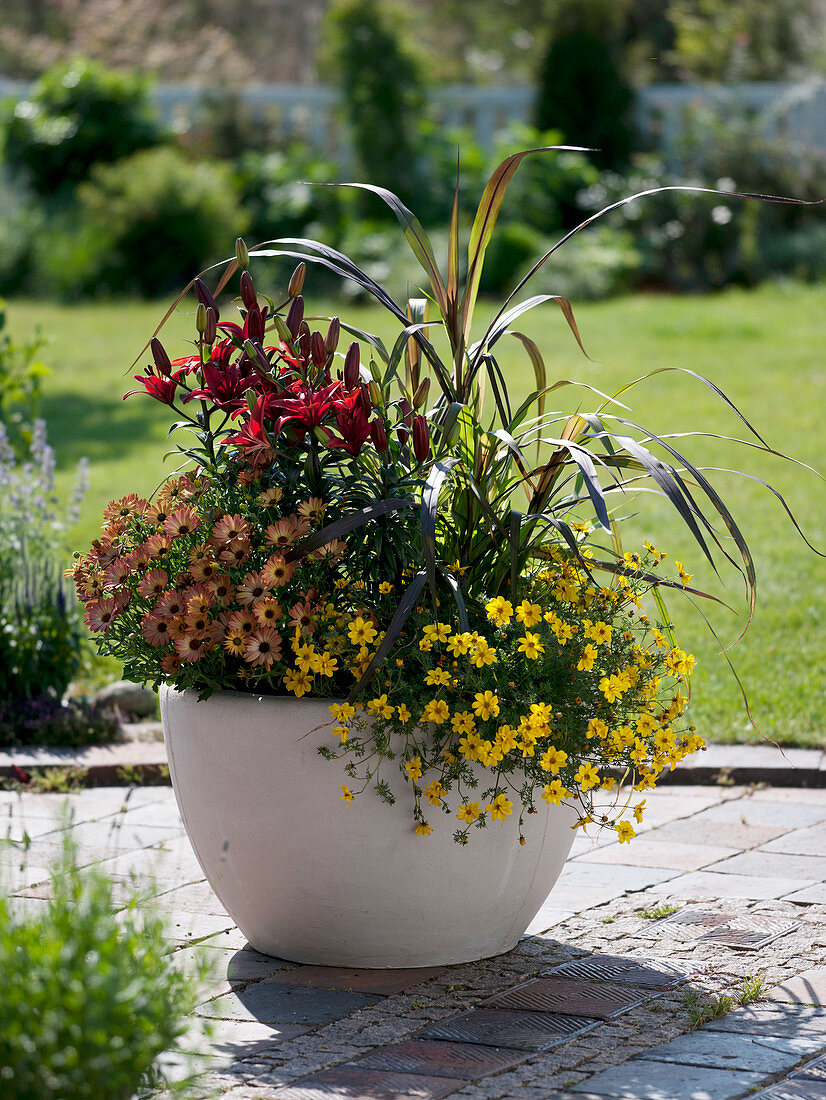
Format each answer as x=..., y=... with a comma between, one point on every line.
x=764, y=348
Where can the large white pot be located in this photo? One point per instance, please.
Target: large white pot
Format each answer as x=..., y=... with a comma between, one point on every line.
x=308, y=878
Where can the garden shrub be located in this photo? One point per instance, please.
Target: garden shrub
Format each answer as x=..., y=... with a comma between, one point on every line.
x=21, y=376
x=89, y=1000
x=49, y=720
x=77, y=116
x=146, y=225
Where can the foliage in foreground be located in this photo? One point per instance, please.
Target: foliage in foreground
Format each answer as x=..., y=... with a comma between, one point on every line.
x=89, y=1001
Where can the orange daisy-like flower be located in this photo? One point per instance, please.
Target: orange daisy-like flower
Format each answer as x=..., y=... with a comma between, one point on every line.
x=159, y=512
x=197, y=622
x=267, y=611
x=303, y=616
x=155, y=629
x=190, y=648
x=182, y=522
x=125, y=508
x=222, y=588
x=237, y=552
x=235, y=642
x=100, y=615
x=263, y=647
x=204, y=570
x=139, y=559
x=243, y=621
x=199, y=603
x=252, y=588
x=157, y=546
x=201, y=552
x=314, y=508
x=170, y=604
x=270, y=497
x=170, y=662
x=117, y=573
x=277, y=571
x=178, y=627
x=229, y=528
x=153, y=583
x=284, y=532
x=331, y=550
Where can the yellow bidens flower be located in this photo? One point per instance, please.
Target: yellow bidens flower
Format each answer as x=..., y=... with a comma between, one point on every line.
x=500, y=808
x=403, y=714
x=385, y=588
x=529, y=614
x=361, y=632
x=483, y=654
x=460, y=644
x=423, y=829
x=624, y=830
x=553, y=759
x=587, y=776
x=463, y=722
x=380, y=708
x=439, y=677
x=436, y=711
x=599, y=632
x=413, y=767
x=587, y=658
x=347, y=795
x=469, y=812
x=297, y=681
x=435, y=793
x=554, y=792
x=499, y=610
x=485, y=705
x=437, y=632
x=531, y=646
x=685, y=578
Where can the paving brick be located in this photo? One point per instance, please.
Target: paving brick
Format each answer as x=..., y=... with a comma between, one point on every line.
x=648, y=1080
x=520, y=1030
x=439, y=1059
x=270, y=1003
x=808, y=988
x=736, y=834
x=774, y=865
x=649, y=853
x=773, y=1019
x=364, y=980
x=570, y=996
x=653, y=974
x=350, y=1083
x=726, y=1050
x=800, y=842
x=713, y=884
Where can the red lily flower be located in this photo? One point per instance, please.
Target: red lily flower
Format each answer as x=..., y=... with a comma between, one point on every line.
x=225, y=382
x=305, y=407
x=157, y=386
x=354, y=427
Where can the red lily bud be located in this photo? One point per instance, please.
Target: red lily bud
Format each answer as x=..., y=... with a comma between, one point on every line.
x=378, y=435
x=248, y=296
x=317, y=349
x=297, y=281
x=162, y=361
x=295, y=315
x=364, y=399
x=421, y=439
x=211, y=327
x=351, y=367
x=255, y=324
x=205, y=296
x=406, y=409
x=333, y=333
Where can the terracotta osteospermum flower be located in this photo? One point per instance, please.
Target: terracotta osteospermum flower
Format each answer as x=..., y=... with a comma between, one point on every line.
x=277, y=571
x=235, y=642
x=229, y=528
x=303, y=616
x=252, y=588
x=153, y=583
x=100, y=614
x=156, y=629
x=237, y=552
x=285, y=532
x=171, y=603
x=190, y=648
x=263, y=647
x=243, y=621
x=117, y=573
x=183, y=521
x=125, y=508
x=267, y=611
x=222, y=589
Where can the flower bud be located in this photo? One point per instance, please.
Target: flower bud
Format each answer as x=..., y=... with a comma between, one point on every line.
x=364, y=399
x=248, y=296
x=297, y=281
x=420, y=396
x=295, y=315
x=211, y=327
x=205, y=296
x=333, y=333
x=200, y=318
x=303, y=341
x=351, y=367
x=255, y=325
x=421, y=439
x=317, y=349
x=242, y=254
x=162, y=362
x=282, y=330
x=378, y=435
x=406, y=409
x=376, y=397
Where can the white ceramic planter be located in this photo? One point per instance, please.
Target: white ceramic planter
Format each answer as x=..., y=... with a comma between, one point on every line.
x=308, y=878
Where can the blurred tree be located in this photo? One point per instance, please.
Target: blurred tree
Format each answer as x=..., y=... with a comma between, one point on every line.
x=383, y=94
x=583, y=90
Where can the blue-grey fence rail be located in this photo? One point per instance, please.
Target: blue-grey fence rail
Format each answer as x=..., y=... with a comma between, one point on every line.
x=312, y=112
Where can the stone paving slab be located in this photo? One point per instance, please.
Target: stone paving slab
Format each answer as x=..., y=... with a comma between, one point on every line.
x=273, y=1003
x=808, y=988
x=774, y=865
x=727, y=1050
x=810, y=841
x=648, y=1080
x=715, y=884
x=764, y=813
x=773, y=1019
x=738, y=834
x=651, y=974
x=650, y=852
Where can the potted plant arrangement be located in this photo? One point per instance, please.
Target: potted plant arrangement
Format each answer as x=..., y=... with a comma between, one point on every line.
x=379, y=579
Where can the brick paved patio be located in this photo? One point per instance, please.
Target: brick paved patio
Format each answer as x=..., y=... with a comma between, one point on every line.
x=741, y=865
